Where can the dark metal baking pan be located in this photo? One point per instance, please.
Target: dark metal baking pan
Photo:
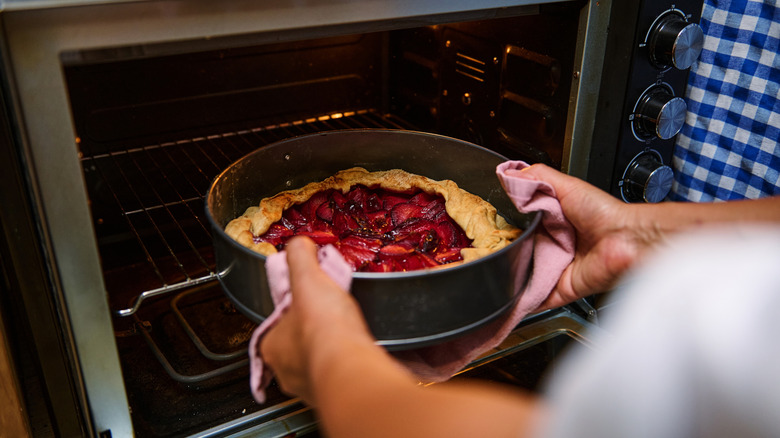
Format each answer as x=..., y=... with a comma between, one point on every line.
x=405, y=309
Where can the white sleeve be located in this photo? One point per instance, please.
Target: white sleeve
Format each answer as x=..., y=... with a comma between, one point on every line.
x=693, y=347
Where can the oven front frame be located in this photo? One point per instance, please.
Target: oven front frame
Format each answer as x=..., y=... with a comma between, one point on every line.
x=38, y=37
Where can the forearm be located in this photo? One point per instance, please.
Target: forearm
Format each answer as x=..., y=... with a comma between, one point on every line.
x=366, y=393
x=658, y=220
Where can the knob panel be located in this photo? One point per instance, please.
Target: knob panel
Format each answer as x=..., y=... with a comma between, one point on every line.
x=666, y=42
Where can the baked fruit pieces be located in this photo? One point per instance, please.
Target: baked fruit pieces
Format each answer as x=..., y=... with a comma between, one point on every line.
x=385, y=221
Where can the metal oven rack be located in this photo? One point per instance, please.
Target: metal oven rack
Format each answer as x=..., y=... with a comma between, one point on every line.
x=159, y=191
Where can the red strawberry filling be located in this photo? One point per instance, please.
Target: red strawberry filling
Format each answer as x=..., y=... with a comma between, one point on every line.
x=376, y=230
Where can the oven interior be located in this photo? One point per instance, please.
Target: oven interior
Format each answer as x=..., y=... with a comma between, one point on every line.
x=153, y=131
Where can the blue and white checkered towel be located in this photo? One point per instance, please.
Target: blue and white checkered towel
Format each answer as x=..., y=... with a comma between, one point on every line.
x=729, y=147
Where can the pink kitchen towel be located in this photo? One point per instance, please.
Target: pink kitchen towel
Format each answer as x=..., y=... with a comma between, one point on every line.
x=277, y=271
x=553, y=251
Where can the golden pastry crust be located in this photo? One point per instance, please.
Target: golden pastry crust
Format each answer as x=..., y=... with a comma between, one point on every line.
x=478, y=218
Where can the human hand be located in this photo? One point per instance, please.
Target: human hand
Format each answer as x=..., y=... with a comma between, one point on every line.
x=607, y=242
x=321, y=320
x=321, y=350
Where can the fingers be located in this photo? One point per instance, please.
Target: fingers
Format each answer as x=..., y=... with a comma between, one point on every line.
x=597, y=270
x=539, y=169
x=544, y=172
x=562, y=182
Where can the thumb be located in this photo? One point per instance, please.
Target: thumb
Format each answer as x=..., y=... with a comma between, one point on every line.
x=302, y=262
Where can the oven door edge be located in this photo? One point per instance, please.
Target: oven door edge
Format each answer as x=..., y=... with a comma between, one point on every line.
x=73, y=322
x=30, y=314
x=586, y=84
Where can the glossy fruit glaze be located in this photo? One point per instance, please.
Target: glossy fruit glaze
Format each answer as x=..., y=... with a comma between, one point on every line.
x=376, y=230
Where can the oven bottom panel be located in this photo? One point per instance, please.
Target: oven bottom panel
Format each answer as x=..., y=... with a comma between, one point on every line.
x=186, y=373
x=186, y=370
x=185, y=364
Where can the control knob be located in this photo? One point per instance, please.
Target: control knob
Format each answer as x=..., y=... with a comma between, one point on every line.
x=658, y=113
x=647, y=179
x=673, y=41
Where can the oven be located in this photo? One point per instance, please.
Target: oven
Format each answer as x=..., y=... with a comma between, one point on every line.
x=117, y=115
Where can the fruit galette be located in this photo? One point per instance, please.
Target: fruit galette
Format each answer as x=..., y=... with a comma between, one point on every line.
x=384, y=221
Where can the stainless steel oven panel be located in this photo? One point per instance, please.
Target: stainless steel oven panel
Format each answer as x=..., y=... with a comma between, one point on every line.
x=40, y=36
